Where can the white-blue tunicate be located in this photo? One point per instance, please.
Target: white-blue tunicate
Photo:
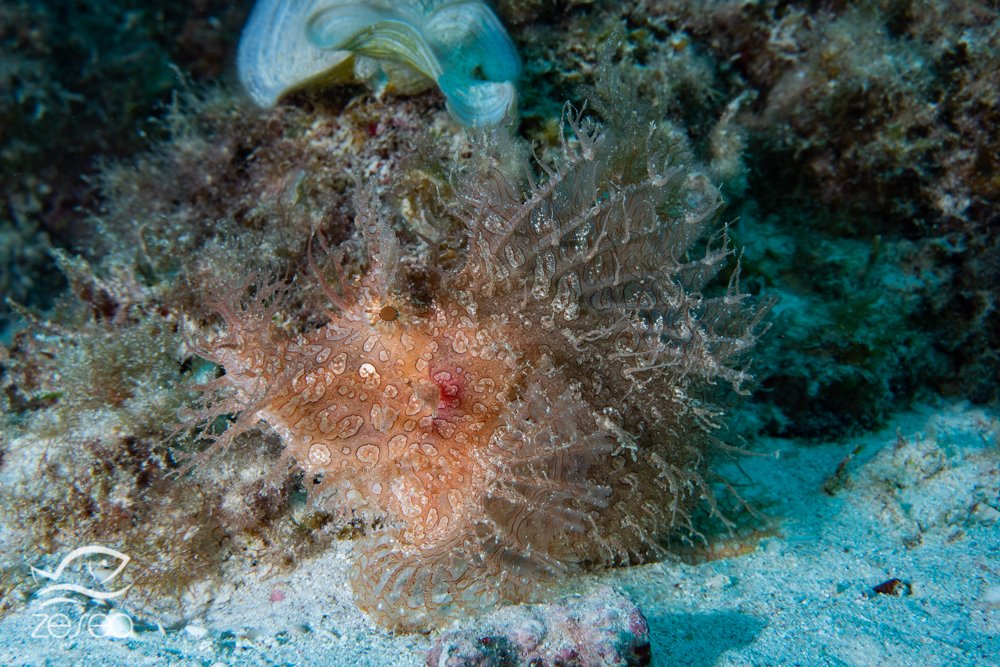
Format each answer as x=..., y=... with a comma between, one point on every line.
x=400, y=46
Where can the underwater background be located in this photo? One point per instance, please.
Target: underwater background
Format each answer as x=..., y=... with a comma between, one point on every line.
x=855, y=148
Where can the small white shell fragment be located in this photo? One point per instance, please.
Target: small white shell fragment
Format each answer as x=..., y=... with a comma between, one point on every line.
x=196, y=631
x=402, y=46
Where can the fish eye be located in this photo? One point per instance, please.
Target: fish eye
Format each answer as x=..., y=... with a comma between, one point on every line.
x=388, y=314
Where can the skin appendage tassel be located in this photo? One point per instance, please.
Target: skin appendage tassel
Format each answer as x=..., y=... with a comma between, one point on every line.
x=543, y=408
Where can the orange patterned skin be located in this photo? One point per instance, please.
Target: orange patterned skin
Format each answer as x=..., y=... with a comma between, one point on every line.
x=393, y=412
x=541, y=409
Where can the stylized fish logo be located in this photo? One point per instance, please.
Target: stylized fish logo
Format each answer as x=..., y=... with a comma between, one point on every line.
x=76, y=588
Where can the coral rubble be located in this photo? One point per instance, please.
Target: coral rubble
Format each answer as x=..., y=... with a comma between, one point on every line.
x=601, y=628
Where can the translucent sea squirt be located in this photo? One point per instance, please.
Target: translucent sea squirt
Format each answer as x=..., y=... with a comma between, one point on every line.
x=400, y=46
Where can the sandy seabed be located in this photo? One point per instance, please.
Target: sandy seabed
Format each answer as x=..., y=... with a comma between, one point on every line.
x=918, y=501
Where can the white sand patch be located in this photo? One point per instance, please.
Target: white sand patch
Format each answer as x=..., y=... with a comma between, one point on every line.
x=920, y=501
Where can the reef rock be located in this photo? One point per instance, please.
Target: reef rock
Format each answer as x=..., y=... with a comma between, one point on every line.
x=602, y=628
